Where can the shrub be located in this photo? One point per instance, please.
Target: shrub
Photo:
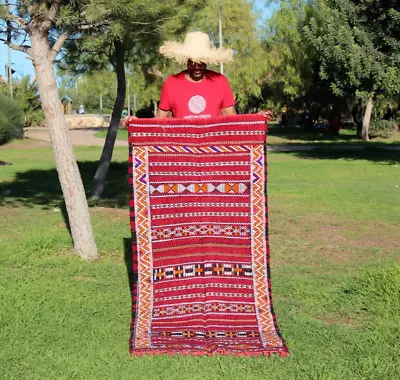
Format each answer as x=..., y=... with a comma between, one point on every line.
x=33, y=118
x=382, y=128
x=27, y=95
x=11, y=119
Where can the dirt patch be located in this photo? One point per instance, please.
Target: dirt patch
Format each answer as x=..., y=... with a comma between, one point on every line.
x=112, y=213
x=84, y=278
x=323, y=240
x=340, y=320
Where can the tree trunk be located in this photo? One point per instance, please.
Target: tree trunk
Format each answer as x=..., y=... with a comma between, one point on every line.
x=357, y=113
x=106, y=156
x=67, y=168
x=366, y=120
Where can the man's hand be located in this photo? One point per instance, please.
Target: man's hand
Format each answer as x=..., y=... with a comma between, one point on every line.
x=125, y=123
x=267, y=114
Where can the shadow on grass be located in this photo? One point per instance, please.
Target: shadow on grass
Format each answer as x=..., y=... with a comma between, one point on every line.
x=301, y=134
x=377, y=155
x=347, y=137
x=132, y=276
x=42, y=187
x=298, y=133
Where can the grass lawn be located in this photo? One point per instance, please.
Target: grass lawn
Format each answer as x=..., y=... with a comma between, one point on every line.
x=335, y=245
x=278, y=135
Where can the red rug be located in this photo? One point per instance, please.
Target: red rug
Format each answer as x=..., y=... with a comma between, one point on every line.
x=200, y=238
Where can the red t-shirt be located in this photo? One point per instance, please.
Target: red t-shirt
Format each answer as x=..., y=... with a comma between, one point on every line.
x=196, y=99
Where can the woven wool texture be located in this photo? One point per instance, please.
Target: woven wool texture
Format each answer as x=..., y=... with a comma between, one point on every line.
x=200, y=238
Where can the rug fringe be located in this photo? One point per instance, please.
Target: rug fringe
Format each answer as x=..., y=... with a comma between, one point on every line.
x=219, y=352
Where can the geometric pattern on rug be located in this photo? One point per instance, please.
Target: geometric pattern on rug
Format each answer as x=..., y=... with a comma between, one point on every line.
x=199, y=223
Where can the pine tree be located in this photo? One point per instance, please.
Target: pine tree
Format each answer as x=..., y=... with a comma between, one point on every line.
x=40, y=29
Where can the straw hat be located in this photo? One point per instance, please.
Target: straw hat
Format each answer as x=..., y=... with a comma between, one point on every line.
x=197, y=47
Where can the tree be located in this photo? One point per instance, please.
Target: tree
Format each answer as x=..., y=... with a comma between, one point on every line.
x=287, y=55
x=291, y=80
x=40, y=29
x=96, y=91
x=358, y=55
x=294, y=66
x=239, y=32
x=134, y=30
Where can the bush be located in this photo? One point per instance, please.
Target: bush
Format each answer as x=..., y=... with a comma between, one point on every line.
x=382, y=128
x=26, y=94
x=33, y=118
x=11, y=119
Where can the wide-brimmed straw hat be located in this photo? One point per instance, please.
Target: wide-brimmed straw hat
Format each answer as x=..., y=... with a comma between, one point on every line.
x=197, y=47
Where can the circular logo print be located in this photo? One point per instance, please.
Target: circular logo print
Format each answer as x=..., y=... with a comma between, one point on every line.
x=197, y=104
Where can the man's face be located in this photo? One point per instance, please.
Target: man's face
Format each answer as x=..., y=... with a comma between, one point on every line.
x=196, y=70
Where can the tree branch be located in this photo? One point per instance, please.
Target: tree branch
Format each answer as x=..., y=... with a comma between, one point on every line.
x=24, y=48
x=23, y=24
x=151, y=22
x=91, y=26
x=54, y=9
x=58, y=45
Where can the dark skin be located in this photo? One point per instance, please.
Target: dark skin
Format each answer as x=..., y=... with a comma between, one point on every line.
x=195, y=71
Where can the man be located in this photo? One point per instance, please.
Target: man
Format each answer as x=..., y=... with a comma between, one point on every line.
x=196, y=92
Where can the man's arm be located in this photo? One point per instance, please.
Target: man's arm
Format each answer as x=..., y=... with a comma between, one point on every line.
x=162, y=114
x=228, y=111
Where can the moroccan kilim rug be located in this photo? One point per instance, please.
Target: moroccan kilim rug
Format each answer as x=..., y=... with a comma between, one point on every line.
x=200, y=238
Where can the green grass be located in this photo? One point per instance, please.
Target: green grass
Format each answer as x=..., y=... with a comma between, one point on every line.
x=336, y=282
x=121, y=135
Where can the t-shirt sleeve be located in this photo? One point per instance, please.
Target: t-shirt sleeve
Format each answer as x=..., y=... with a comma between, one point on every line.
x=165, y=103
x=228, y=99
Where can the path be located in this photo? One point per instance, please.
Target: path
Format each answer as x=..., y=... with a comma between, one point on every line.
x=79, y=137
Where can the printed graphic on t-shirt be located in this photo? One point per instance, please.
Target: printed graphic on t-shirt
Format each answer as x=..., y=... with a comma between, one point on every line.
x=197, y=104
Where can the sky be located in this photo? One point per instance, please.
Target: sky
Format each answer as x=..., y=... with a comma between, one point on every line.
x=23, y=66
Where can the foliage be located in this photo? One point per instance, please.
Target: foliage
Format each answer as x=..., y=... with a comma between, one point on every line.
x=86, y=89
x=25, y=92
x=239, y=30
x=382, y=128
x=293, y=80
x=288, y=55
x=357, y=56
x=139, y=26
x=11, y=119
x=352, y=57
x=146, y=70
x=330, y=54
